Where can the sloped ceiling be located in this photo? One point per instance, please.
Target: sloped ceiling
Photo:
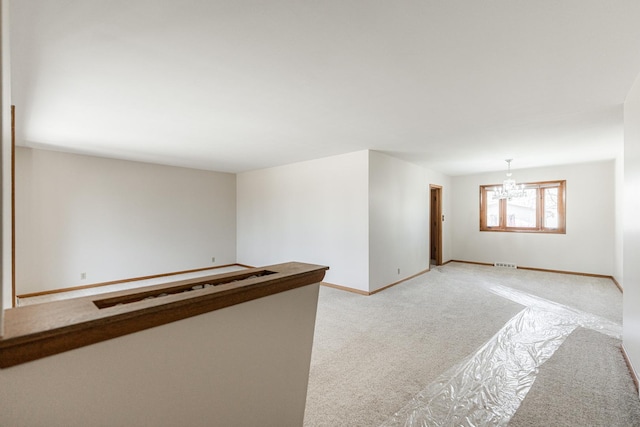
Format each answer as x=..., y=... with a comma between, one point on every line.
x=455, y=86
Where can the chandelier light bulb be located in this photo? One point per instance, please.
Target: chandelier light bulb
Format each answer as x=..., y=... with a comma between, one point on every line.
x=510, y=190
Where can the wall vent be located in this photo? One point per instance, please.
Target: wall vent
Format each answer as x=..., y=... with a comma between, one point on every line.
x=505, y=265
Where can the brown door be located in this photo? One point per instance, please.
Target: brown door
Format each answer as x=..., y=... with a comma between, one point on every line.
x=435, y=229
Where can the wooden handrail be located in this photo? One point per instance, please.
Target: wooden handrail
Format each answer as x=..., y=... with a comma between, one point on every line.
x=41, y=330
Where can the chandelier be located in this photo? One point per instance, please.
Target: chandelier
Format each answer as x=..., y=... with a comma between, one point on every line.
x=510, y=190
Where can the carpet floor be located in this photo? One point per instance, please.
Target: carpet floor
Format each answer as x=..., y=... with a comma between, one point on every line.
x=585, y=383
x=373, y=355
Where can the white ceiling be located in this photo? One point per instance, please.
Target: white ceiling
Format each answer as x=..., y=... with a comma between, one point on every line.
x=234, y=85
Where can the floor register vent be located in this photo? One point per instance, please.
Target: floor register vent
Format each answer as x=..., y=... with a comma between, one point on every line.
x=505, y=265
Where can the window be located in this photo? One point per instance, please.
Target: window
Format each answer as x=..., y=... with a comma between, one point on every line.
x=541, y=210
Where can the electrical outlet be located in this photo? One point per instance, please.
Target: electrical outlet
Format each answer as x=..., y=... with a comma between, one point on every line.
x=83, y=276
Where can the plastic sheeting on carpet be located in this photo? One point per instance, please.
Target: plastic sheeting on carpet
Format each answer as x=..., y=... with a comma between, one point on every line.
x=487, y=388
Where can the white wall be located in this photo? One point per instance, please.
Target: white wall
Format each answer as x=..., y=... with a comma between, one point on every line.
x=115, y=219
x=398, y=219
x=618, y=264
x=588, y=245
x=5, y=165
x=631, y=302
x=364, y=214
x=193, y=372
x=4, y=138
x=314, y=211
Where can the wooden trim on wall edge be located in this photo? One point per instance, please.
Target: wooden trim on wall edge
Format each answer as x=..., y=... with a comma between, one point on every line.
x=132, y=279
x=471, y=262
x=240, y=265
x=618, y=284
x=344, y=288
x=546, y=270
x=14, y=298
x=575, y=273
x=632, y=372
x=365, y=293
x=399, y=281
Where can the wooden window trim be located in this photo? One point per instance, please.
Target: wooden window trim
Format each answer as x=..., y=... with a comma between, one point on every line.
x=540, y=228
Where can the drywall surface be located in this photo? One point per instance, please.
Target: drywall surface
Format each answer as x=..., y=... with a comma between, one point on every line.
x=116, y=219
x=244, y=365
x=5, y=160
x=314, y=211
x=631, y=302
x=398, y=220
x=588, y=244
x=618, y=248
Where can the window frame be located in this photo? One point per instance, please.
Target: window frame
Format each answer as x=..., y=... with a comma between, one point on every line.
x=502, y=226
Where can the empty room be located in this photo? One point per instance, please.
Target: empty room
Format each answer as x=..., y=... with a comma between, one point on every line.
x=331, y=213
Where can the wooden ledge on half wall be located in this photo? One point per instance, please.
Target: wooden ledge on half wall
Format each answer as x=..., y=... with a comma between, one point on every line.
x=41, y=330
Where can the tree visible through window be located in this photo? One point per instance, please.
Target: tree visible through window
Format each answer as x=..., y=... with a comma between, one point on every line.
x=541, y=209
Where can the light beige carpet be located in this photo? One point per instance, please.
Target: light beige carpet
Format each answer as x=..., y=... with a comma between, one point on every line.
x=585, y=383
x=373, y=354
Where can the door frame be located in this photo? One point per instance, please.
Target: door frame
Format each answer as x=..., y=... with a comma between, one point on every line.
x=435, y=222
